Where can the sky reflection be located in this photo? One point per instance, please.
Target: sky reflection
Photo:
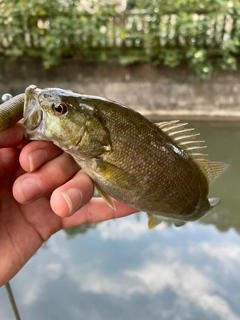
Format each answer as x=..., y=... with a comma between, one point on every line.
x=167, y=273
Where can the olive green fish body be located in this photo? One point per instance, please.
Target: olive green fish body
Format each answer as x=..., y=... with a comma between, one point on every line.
x=128, y=157
x=144, y=166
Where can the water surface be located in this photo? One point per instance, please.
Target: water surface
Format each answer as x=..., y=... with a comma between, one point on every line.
x=120, y=270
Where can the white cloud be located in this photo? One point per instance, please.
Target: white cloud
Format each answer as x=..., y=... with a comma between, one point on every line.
x=54, y=270
x=189, y=284
x=223, y=251
x=227, y=253
x=127, y=228
x=122, y=229
x=58, y=246
x=31, y=290
x=48, y=268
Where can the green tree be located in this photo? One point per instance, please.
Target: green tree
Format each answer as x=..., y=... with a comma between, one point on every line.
x=201, y=34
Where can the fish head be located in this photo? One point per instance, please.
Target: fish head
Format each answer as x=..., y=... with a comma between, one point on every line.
x=53, y=114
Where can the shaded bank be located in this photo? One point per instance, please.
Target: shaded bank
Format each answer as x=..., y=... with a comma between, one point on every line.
x=157, y=92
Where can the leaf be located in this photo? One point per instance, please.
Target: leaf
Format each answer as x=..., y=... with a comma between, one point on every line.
x=203, y=33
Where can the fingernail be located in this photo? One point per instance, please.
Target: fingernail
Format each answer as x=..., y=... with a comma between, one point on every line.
x=28, y=189
x=73, y=198
x=37, y=158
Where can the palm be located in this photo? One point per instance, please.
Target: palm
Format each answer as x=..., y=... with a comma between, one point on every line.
x=23, y=227
x=26, y=223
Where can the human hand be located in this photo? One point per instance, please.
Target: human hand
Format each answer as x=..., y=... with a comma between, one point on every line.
x=42, y=191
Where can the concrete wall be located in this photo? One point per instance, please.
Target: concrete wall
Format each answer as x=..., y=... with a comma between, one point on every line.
x=156, y=92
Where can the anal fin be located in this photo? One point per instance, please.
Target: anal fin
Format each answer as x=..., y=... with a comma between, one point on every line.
x=154, y=220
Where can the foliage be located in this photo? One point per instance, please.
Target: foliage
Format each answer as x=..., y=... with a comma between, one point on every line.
x=82, y=229
x=203, y=34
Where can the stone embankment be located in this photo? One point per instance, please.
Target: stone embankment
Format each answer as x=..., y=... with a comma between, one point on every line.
x=157, y=92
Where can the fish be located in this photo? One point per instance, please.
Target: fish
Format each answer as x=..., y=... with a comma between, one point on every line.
x=157, y=168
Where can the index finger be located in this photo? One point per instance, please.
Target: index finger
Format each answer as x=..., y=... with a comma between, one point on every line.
x=13, y=136
x=97, y=210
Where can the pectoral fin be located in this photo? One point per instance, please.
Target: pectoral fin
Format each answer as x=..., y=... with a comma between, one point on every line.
x=118, y=176
x=105, y=197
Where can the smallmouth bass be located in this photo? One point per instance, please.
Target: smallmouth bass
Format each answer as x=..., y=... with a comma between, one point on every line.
x=156, y=168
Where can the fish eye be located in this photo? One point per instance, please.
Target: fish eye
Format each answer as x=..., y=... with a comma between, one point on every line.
x=59, y=109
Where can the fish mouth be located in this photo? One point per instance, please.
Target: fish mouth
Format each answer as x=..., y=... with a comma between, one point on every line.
x=32, y=112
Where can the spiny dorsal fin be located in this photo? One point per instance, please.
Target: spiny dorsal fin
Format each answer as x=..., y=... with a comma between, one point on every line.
x=213, y=169
x=105, y=196
x=165, y=123
x=177, y=131
x=154, y=220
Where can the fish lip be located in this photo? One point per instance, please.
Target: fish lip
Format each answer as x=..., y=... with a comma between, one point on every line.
x=32, y=113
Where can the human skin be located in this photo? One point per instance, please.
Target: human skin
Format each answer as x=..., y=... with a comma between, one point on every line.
x=42, y=191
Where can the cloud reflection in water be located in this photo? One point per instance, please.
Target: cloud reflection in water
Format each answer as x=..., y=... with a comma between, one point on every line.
x=120, y=270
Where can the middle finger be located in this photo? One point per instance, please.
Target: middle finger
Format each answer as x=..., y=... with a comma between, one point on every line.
x=32, y=186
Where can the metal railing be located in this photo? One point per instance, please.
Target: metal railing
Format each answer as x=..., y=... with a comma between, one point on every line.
x=138, y=29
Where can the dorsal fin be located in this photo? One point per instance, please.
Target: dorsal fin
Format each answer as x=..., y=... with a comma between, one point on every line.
x=177, y=131
x=165, y=123
x=213, y=169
